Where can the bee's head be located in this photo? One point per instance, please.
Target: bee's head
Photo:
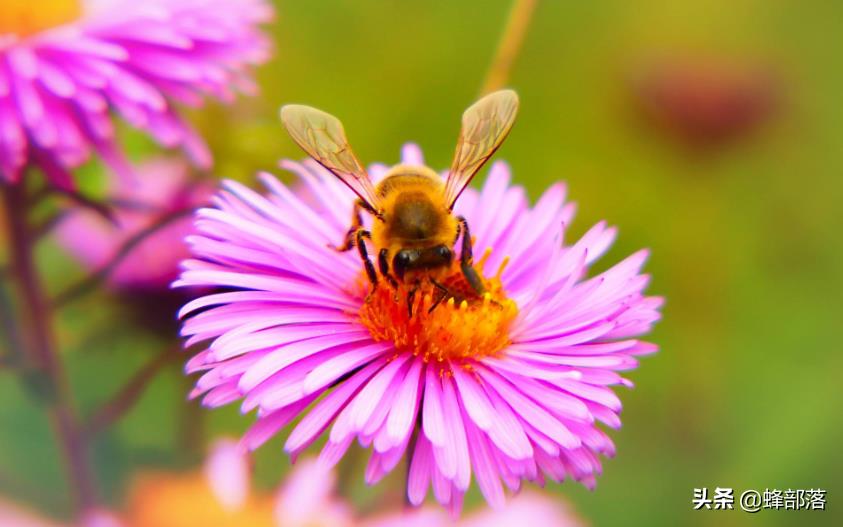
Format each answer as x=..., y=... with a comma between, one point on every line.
x=417, y=259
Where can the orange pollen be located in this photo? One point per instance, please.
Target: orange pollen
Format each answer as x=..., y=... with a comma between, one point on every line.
x=463, y=325
x=25, y=17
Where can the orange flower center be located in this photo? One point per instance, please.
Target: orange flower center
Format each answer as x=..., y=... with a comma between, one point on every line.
x=463, y=325
x=25, y=17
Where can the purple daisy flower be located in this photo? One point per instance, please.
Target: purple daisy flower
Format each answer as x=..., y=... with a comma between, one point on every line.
x=159, y=201
x=509, y=386
x=65, y=65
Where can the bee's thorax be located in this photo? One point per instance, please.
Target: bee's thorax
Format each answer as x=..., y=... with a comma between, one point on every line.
x=415, y=219
x=403, y=176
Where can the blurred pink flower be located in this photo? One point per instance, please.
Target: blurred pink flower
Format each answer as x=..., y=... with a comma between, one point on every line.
x=227, y=472
x=163, y=190
x=527, y=508
x=101, y=518
x=221, y=497
x=12, y=515
x=706, y=103
x=307, y=499
x=508, y=387
x=66, y=65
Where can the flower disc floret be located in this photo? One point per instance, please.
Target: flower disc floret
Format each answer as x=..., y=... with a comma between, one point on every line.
x=446, y=328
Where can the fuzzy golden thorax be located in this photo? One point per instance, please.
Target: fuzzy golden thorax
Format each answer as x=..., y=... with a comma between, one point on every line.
x=416, y=227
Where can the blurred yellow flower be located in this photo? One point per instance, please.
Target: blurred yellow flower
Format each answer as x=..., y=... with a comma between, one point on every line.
x=187, y=500
x=24, y=17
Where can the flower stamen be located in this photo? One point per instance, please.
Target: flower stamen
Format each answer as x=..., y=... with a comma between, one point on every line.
x=463, y=326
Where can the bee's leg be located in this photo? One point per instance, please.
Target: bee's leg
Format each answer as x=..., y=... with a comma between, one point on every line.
x=445, y=294
x=467, y=259
x=356, y=222
x=411, y=298
x=364, y=255
x=383, y=265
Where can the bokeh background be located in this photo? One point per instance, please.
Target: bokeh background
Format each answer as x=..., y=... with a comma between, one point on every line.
x=709, y=131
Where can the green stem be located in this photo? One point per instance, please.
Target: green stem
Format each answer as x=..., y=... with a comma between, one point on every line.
x=510, y=44
x=44, y=374
x=126, y=398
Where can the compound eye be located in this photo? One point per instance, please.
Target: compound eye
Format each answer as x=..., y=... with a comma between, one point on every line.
x=443, y=252
x=401, y=262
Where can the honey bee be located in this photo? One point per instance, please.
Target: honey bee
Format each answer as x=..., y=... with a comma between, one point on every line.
x=414, y=230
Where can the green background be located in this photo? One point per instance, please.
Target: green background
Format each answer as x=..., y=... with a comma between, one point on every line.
x=746, y=240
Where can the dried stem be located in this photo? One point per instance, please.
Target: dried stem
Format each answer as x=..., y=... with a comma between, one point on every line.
x=46, y=225
x=510, y=44
x=133, y=205
x=126, y=397
x=80, y=289
x=45, y=374
x=85, y=202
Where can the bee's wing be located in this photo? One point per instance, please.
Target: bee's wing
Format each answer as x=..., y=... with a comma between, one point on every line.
x=485, y=125
x=321, y=135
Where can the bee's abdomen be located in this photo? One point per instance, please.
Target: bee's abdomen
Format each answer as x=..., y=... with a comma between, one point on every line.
x=415, y=217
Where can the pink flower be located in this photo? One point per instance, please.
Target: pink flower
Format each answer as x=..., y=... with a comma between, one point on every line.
x=307, y=499
x=13, y=515
x=507, y=387
x=706, y=103
x=163, y=191
x=65, y=65
x=227, y=473
x=527, y=508
x=221, y=496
